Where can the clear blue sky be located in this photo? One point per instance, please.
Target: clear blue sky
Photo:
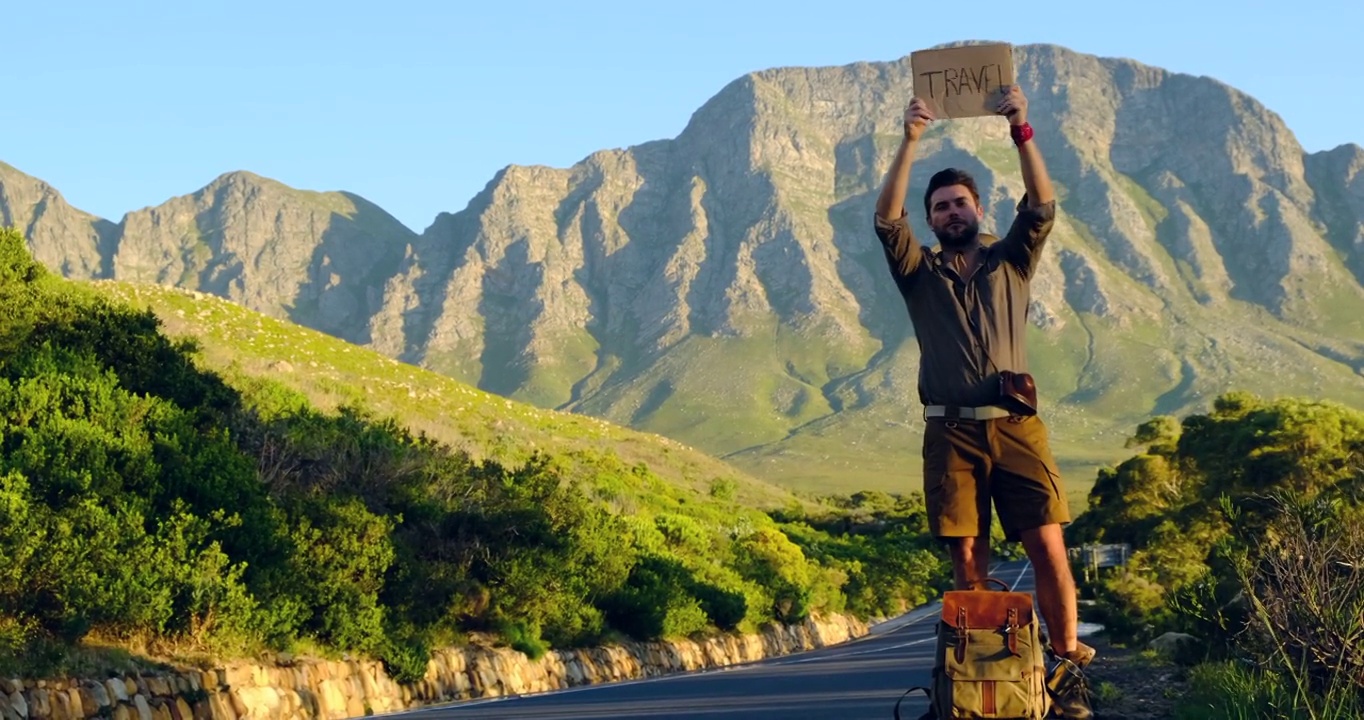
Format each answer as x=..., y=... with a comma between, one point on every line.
x=414, y=105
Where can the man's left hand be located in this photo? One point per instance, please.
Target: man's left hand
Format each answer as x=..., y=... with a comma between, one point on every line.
x=1014, y=106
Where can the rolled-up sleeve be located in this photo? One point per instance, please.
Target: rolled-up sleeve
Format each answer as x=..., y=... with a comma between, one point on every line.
x=904, y=252
x=1027, y=236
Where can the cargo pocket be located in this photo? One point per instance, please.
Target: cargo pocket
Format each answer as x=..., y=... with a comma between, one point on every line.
x=936, y=451
x=1033, y=435
x=1054, y=477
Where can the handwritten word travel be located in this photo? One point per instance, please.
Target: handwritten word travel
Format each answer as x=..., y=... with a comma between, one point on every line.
x=950, y=82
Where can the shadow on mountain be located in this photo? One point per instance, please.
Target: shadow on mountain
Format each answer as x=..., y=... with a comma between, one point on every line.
x=653, y=401
x=1178, y=397
x=348, y=270
x=1326, y=173
x=632, y=304
x=616, y=280
x=109, y=234
x=505, y=331
x=436, y=254
x=218, y=272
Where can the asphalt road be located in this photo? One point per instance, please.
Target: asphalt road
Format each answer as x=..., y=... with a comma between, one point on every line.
x=858, y=679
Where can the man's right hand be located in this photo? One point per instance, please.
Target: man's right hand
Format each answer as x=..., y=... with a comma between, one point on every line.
x=890, y=205
x=917, y=117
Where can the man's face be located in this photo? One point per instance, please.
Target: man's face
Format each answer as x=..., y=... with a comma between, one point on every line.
x=954, y=215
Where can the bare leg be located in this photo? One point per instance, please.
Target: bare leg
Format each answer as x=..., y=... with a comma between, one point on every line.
x=1056, y=595
x=970, y=560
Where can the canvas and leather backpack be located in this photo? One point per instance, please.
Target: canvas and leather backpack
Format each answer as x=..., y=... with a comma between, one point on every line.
x=989, y=660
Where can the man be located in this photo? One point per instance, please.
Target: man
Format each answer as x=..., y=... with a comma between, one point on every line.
x=968, y=302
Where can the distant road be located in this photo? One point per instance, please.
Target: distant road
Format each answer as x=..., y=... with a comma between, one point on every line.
x=858, y=679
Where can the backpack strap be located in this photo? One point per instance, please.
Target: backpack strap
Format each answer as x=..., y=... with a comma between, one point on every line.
x=989, y=580
x=961, y=634
x=926, y=716
x=1011, y=630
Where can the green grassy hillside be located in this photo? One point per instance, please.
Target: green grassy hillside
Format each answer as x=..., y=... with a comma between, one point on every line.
x=250, y=348
x=234, y=486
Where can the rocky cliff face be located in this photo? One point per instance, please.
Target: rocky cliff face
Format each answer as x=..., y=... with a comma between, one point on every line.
x=724, y=287
x=1338, y=177
x=319, y=259
x=65, y=239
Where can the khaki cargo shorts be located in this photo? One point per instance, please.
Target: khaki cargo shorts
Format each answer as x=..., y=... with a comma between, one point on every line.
x=969, y=462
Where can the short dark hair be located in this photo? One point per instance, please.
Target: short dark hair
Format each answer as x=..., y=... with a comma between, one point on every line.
x=947, y=178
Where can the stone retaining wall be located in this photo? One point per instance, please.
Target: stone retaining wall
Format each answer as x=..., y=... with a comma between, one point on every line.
x=329, y=689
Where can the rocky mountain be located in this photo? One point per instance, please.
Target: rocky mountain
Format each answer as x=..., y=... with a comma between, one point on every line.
x=318, y=259
x=65, y=239
x=724, y=287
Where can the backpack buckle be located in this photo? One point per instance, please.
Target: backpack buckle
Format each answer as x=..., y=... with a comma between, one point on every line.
x=962, y=635
x=1011, y=630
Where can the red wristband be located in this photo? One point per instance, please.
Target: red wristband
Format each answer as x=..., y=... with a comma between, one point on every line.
x=1020, y=133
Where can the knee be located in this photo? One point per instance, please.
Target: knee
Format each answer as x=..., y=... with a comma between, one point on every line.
x=1045, y=545
x=967, y=549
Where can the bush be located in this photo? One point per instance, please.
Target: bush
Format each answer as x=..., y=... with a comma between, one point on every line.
x=725, y=607
x=656, y=602
x=880, y=546
x=143, y=498
x=523, y=636
x=1246, y=530
x=1228, y=690
x=1305, y=588
x=1130, y=608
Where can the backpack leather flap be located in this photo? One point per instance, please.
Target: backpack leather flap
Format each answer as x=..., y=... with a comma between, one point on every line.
x=986, y=609
x=1007, y=612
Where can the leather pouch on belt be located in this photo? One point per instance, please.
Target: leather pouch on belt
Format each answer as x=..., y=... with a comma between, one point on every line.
x=1017, y=393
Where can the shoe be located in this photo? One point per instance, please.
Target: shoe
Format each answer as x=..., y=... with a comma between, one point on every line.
x=1081, y=655
x=1067, y=686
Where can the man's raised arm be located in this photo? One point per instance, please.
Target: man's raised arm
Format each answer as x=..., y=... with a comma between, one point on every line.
x=1025, y=239
x=1035, y=178
x=903, y=251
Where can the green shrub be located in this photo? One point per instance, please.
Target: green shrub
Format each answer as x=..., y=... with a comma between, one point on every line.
x=1245, y=530
x=144, y=498
x=725, y=607
x=523, y=636
x=1229, y=690
x=656, y=601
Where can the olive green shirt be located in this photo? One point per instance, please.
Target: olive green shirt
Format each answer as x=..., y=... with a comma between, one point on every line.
x=954, y=367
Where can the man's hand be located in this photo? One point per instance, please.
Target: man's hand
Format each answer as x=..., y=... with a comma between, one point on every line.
x=1014, y=106
x=890, y=205
x=917, y=117
x=1036, y=181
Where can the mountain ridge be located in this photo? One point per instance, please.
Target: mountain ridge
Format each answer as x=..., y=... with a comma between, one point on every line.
x=724, y=287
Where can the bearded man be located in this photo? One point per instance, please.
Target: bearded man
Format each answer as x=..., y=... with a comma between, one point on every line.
x=983, y=440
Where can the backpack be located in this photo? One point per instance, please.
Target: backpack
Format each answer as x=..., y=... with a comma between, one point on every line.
x=989, y=661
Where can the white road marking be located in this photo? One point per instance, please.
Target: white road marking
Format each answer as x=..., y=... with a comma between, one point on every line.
x=1026, y=566
x=920, y=641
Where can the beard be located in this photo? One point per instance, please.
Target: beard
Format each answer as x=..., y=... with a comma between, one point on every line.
x=957, y=236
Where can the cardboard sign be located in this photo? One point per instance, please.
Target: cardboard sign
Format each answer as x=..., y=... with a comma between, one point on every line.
x=964, y=81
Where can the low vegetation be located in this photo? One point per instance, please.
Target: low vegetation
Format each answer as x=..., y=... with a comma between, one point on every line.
x=263, y=488
x=149, y=502
x=251, y=350
x=1246, y=528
